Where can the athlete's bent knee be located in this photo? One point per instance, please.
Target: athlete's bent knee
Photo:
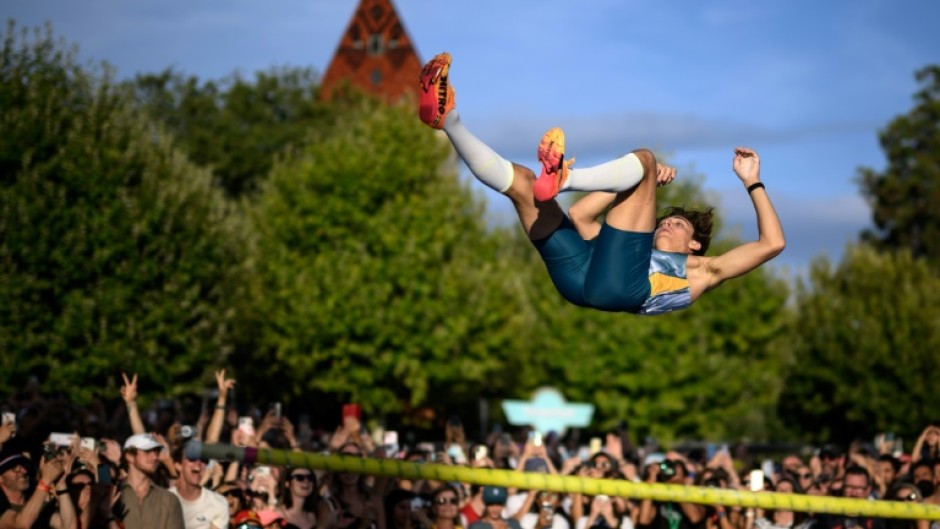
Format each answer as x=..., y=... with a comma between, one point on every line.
x=648, y=159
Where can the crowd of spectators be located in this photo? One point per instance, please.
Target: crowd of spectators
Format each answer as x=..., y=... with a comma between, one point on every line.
x=67, y=467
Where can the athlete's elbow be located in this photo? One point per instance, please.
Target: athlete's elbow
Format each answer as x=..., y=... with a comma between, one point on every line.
x=775, y=247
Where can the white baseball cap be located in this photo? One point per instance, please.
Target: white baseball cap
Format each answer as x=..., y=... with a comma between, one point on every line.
x=143, y=442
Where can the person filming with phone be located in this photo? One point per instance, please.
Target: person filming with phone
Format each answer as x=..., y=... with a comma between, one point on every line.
x=45, y=503
x=669, y=515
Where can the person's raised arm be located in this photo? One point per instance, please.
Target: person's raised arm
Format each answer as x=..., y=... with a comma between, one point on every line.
x=218, y=415
x=526, y=506
x=770, y=241
x=66, y=517
x=929, y=436
x=647, y=511
x=49, y=473
x=7, y=431
x=129, y=394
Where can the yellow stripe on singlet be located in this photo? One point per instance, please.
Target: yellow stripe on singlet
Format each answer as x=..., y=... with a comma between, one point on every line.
x=660, y=282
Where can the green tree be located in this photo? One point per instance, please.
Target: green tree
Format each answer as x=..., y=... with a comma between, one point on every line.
x=116, y=253
x=379, y=278
x=237, y=127
x=865, y=343
x=905, y=198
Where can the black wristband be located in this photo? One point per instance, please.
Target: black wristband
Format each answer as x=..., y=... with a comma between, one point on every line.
x=754, y=186
x=61, y=492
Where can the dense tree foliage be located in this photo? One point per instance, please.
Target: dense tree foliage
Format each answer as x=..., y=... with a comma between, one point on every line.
x=236, y=127
x=115, y=252
x=865, y=344
x=380, y=280
x=905, y=198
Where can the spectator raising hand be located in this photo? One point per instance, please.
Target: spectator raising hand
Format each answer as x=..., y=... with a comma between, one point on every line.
x=218, y=415
x=348, y=432
x=129, y=394
x=111, y=450
x=7, y=431
x=928, y=444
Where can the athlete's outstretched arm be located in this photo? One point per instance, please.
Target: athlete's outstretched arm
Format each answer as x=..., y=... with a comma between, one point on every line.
x=770, y=241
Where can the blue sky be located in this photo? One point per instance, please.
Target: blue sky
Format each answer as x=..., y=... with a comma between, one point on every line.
x=808, y=84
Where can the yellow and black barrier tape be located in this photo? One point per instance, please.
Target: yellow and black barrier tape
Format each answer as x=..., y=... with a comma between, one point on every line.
x=569, y=484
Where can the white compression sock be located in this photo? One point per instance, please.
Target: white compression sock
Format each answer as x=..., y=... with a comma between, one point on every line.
x=617, y=175
x=489, y=167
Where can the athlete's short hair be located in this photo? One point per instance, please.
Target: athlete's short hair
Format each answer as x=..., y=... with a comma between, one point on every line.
x=701, y=221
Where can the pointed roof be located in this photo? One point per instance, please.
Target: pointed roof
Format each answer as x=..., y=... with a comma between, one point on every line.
x=375, y=54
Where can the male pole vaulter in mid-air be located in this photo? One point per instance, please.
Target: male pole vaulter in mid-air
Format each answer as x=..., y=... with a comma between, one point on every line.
x=632, y=262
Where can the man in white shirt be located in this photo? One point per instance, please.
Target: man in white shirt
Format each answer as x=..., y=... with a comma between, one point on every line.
x=202, y=508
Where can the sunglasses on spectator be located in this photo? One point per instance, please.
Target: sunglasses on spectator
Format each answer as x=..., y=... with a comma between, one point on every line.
x=300, y=478
x=805, y=476
x=444, y=501
x=80, y=486
x=602, y=465
x=911, y=496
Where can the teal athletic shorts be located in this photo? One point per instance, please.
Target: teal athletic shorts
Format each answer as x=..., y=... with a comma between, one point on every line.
x=610, y=272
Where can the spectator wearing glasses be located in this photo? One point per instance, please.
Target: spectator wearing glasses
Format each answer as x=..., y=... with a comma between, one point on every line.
x=856, y=483
x=299, y=499
x=803, y=476
x=202, y=508
x=48, y=505
x=81, y=485
x=601, y=465
x=668, y=515
x=445, y=508
x=143, y=504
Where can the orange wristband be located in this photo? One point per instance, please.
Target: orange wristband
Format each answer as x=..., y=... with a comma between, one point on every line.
x=43, y=486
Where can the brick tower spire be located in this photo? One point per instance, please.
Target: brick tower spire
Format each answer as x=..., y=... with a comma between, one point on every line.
x=374, y=54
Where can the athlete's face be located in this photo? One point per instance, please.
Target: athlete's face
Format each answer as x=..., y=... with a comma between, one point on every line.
x=674, y=234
